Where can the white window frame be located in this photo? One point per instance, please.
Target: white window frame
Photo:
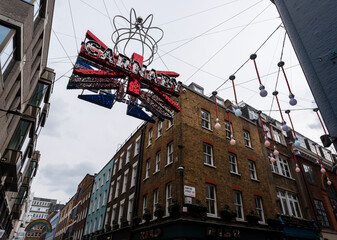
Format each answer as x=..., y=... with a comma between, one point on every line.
x=113, y=214
x=121, y=161
x=289, y=203
x=211, y=200
x=98, y=202
x=147, y=169
x=117, y=186
x=160, y=128
x=130, y=206
x=233, y=163
x=144, y=203
x=103, y=180
x=281, y=166
x=246, y=137
x=252, y=170
x=170, y=153
x=121, y=211
x=157, y=162
x=137, y=146
x=149, y=142
x=115, y=165
x=170, y=122
x=128, y=154
x=228, y=130
x=168, y=196
x=259, y=208
x=111, y=190
x=125, y=181
x=205, y=119
x=155, y=201
x=134, y=174
x=208, y=154
x=108, y=175
x=238, y=205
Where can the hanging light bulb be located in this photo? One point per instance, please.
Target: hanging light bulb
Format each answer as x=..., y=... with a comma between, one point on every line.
x=263, y=91
x=276, y=152
x=323, y=169
x=297, y=143
x=217, y=125
x=266, y=143
x=328, y=182
x=232, y=141
x=297, y=169
x=292, y=100
x=284, y=126
x=238, y=112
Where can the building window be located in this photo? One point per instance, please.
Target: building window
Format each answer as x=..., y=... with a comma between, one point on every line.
x=208, y=154
x=205, y=119
x=137, y=146
x=6, y=47
x=125, y=181
x=246, y=137
x=211, y=200
x=309, y=173
x=228, y=129
x=170, y=153
x=252, y=170
x=155, y=201
x=115, y=167
x=170, y=122
x=111, y=189
x=289, y=204
x=19, y=135
x=277, y=136
x=103, y=180
x=144, y=203
x=117, y=186
x=99, y=201
x=108, y=175
x=128, y=154
x=259, y=208
x=130, y=206
x=113, y=214
x=38, y=94
x=168, y=197
x=150, y=137
x=321, y=213
x=104, y=197
x=147, y=170
x=160, y=128
x=121, y=211
x=238, y=205
x=157, y=161
x=281, y=166
x=121, y=161
x=233, y=163
x=134, y=175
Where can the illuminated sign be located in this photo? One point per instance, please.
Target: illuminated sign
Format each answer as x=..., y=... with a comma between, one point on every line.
x=98, y=68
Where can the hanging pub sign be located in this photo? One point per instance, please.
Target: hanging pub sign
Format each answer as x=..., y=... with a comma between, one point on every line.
x=99, y=69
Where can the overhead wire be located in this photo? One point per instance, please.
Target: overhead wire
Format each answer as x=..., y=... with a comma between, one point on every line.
x=248, y=58
x=72, y=21
x=217, y=52
x=278, y=73
x=216, y=32
x=197, y=13
x=217, y=25
x=62, y=47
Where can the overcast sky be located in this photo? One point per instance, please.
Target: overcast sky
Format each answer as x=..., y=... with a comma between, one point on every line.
x=204, y=41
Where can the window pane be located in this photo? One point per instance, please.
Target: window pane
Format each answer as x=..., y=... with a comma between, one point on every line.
x=38, y=94
x=19, y=135
x=7, y=55
x=4, y=31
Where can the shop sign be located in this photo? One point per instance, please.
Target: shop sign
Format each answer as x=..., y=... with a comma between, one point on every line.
x=224, y=233
x=189, y=191
x=152, y=233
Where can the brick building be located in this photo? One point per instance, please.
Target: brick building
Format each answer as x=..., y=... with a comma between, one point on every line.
x=182, y=178
x=63, y=222
x=26, y=84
